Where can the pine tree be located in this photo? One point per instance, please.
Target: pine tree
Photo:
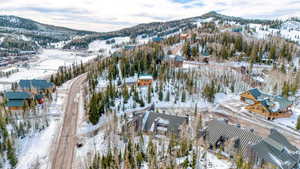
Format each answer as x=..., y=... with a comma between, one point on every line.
x=149, y=94
x=298, y=123
x=183, y=96
x=168, y=96
x=11, y=153
x=160, y=93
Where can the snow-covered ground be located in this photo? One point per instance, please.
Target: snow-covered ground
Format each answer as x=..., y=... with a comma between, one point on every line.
x=107, y=48
x=289, y=30
x=49, y=60
x=291, y=121
x=35, y=148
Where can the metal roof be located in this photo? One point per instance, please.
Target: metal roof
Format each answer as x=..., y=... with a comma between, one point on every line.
x=17, y=95
x=15, y=103
x=34, y=83
x=255, y=92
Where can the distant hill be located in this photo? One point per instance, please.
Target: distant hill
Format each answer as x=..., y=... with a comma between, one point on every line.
x=18, y=33
x=160, y=28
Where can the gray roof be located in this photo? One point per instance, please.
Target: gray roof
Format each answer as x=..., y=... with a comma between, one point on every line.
x=218, y=128
x=171, y=122
x=277, y=150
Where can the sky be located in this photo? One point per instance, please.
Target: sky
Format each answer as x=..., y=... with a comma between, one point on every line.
x=110, y=15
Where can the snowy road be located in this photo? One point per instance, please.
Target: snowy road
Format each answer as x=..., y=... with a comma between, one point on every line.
x=64, y=150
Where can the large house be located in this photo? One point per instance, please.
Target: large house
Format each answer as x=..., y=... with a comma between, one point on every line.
x=267, y=105
x=274, y=151
x=158, y=123
x=36, y=86
x=17, y=100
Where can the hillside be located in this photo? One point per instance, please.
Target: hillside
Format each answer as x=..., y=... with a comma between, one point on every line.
x=18, y=34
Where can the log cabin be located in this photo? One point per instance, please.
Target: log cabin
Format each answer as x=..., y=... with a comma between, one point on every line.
x=269, y=106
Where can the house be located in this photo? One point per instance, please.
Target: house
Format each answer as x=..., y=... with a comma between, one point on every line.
x=145, y=80
x=158, y=123
x=157, y=39
x=274, y=151
x=269, y=106
x=36, y=86
x=232, y=139
x=178, y=62
x=17, y=100
x=175, y=60
x=129, y=47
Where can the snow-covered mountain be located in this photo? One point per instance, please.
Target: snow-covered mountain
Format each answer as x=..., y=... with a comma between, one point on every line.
x=18, y=33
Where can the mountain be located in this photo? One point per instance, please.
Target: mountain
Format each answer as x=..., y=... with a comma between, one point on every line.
x=25, y=34
x=17, y=34
x=161, y=28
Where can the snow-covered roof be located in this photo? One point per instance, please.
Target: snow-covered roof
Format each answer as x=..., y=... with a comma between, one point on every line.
x=145, y=77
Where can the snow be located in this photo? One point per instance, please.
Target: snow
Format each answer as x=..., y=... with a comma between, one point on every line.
x=38, y=146
x=108, y=48
x=216, y=163
x=48, y=62
x=291, y=121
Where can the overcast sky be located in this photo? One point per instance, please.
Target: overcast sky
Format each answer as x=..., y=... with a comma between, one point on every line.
x=108, y=15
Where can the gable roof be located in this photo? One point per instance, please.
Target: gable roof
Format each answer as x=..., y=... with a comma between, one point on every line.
x=271, y=103
x=15, y=103
x=255, y=92
x=34, y=83
x=170, y=122
x=217, y=129
x=17, y=95
x=277, y=150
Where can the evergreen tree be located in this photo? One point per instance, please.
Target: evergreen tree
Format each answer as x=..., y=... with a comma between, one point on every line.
x=183, y=96
x=149, y=94
x=298, y=123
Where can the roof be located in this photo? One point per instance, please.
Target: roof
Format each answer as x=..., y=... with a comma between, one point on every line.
x=39, y=96
x=217, y=129
x=277, y=150
x=146, y=77
x=37, y=84
x=255, y=92
x=170, y=122
x=271, y=103
x=157, y=39
x=179, y=58
x=17, y=95
x=15, y=103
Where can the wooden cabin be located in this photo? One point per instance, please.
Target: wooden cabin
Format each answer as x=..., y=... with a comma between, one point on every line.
x=145, y=80
x=271, y=107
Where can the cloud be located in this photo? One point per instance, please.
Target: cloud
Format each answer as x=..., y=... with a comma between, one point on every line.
x=108, y=15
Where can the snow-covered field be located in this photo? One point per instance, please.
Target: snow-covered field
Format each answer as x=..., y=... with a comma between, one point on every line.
x=48, y=63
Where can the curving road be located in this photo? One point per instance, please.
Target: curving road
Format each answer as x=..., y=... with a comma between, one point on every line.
x=63, y=153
